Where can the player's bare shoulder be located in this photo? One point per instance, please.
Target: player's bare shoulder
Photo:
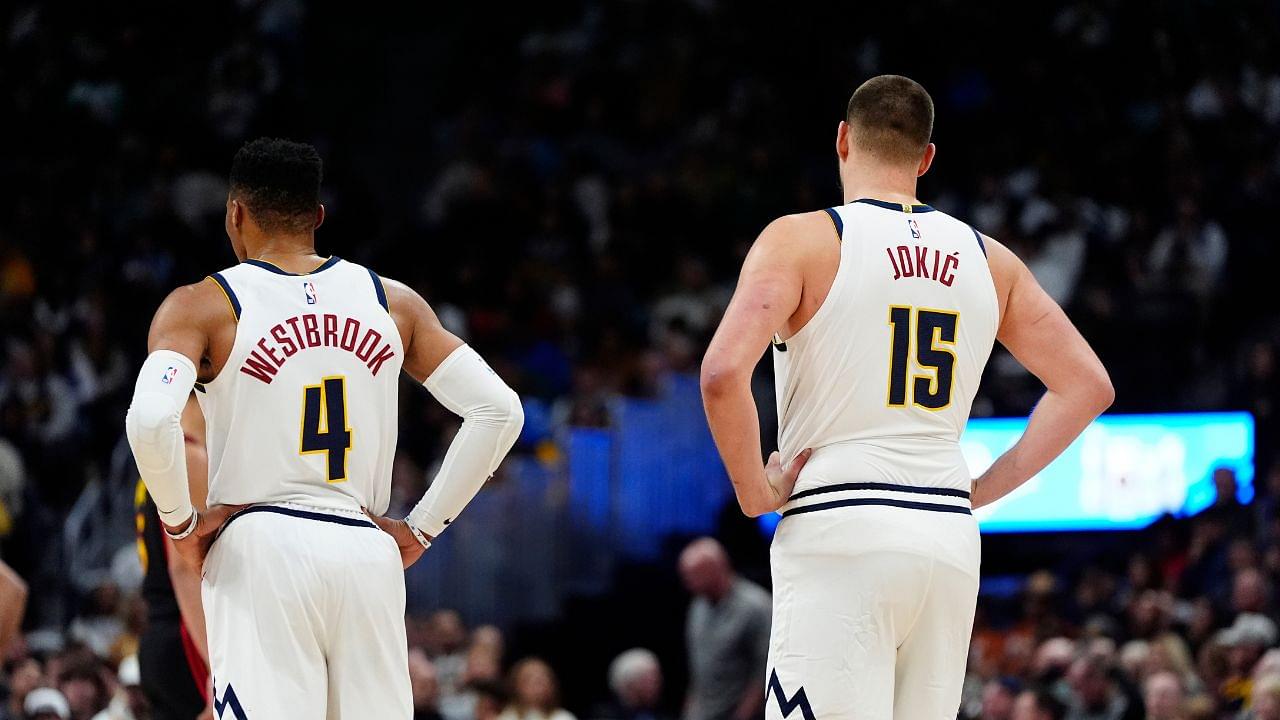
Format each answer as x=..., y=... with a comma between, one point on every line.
x=426, y=342
x=197, y=320
x=806, y=248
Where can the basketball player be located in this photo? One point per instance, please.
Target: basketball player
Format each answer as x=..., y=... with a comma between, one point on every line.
x=295, y=359
x=173, y=653
x=882, y=313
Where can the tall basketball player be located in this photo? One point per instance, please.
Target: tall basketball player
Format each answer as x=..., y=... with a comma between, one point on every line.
x=882, y=313
x=295, y=360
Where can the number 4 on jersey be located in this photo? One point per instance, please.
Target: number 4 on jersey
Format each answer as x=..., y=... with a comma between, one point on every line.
x=935, y=332
x=324, y=424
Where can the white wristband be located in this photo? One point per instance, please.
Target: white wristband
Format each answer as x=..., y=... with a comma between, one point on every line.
x=418, y=535
x=190, y=528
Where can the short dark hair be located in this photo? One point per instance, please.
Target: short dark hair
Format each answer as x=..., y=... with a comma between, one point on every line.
x=892, y=117
x=279, y=181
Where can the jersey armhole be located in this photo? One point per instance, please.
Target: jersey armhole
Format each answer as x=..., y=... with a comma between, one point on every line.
x=981, y=245
x=379, y=290
x=836, y=221
x=232, y=300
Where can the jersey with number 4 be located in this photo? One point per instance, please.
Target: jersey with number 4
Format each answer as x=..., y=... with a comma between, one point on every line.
x=888, y=366
x=304, y=411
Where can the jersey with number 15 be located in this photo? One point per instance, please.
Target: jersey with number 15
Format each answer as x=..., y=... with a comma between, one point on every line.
x=304, y=411
x=888, y=366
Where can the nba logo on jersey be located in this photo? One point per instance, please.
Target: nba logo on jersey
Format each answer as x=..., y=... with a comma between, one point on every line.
x=915, y=229
x=169, y=375
x=310, y=290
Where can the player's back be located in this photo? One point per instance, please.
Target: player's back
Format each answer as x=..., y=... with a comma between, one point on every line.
x=880, y=381
x=304, y=411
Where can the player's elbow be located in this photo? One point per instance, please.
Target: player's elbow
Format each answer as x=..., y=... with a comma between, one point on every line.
x=513, y=415
x=718, y=377
x=151, y=417
x=1098, y=391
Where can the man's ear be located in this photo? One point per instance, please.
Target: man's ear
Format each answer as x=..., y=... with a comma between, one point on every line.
x=319, y=216
x=235, y=213
x=930, y=152
x=842, y=141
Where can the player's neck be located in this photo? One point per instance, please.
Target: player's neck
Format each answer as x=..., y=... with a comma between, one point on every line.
x=294, y=253
x=878, y=181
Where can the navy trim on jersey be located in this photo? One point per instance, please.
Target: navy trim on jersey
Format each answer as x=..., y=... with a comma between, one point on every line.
x=293, y=512
x=200, y=387
x=380, y=290
x=231, y=294
x=890, y=487
x=835, y=220
x=900, y=207
x=980, y=243
x=333, y=260
x=853, y=502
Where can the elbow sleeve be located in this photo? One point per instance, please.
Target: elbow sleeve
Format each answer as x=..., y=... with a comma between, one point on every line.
x=153, y=426
x=491, y=421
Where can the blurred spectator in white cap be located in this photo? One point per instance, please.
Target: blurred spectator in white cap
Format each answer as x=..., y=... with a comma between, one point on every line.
x=635, y=678
x=1245, y=641
x=46, y=704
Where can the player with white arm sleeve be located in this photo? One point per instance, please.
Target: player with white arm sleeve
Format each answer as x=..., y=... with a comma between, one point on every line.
x=295, y=361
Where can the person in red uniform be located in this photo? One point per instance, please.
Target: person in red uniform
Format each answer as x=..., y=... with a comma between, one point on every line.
x=174, y=653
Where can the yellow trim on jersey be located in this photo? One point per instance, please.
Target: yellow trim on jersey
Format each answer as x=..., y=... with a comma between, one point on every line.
x=230, y=305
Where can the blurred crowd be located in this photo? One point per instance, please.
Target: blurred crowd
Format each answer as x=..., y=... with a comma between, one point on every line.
x=573, y=187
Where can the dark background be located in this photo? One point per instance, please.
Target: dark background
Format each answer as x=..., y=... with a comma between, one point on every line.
x=548, y=174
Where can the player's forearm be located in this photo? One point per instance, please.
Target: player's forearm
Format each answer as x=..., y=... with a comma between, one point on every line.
x=491, y=421
x=1057, y=420
x=751, y=704
x=13, y=605
x=735, y=426
x=186, y=588
x=154, y=428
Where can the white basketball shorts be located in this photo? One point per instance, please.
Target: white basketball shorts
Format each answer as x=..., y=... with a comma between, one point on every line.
x=305, y=614
x=874, y=588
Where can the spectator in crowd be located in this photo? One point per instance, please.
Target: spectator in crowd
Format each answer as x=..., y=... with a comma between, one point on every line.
x=998, y=697
x=426, y=688
x=1163, y=696
x=635, y=679
x=128, y=702
x=491, y=699
x=1095, y=695
x=1266, y=700
x=726, y=635
x=1038, y=704
x=24, y=675
x=535, y=693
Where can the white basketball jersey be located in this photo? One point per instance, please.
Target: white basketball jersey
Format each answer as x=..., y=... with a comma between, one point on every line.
x=887, y=368
x=304, y=411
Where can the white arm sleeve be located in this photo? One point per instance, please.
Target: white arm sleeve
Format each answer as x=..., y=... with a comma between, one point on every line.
x=154, y=428
x=491, y=422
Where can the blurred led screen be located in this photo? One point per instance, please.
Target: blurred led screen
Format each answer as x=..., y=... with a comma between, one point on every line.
x=1124, y=472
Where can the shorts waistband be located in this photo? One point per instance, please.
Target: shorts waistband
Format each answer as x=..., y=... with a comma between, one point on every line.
x=336, y=516
x=838, y=495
